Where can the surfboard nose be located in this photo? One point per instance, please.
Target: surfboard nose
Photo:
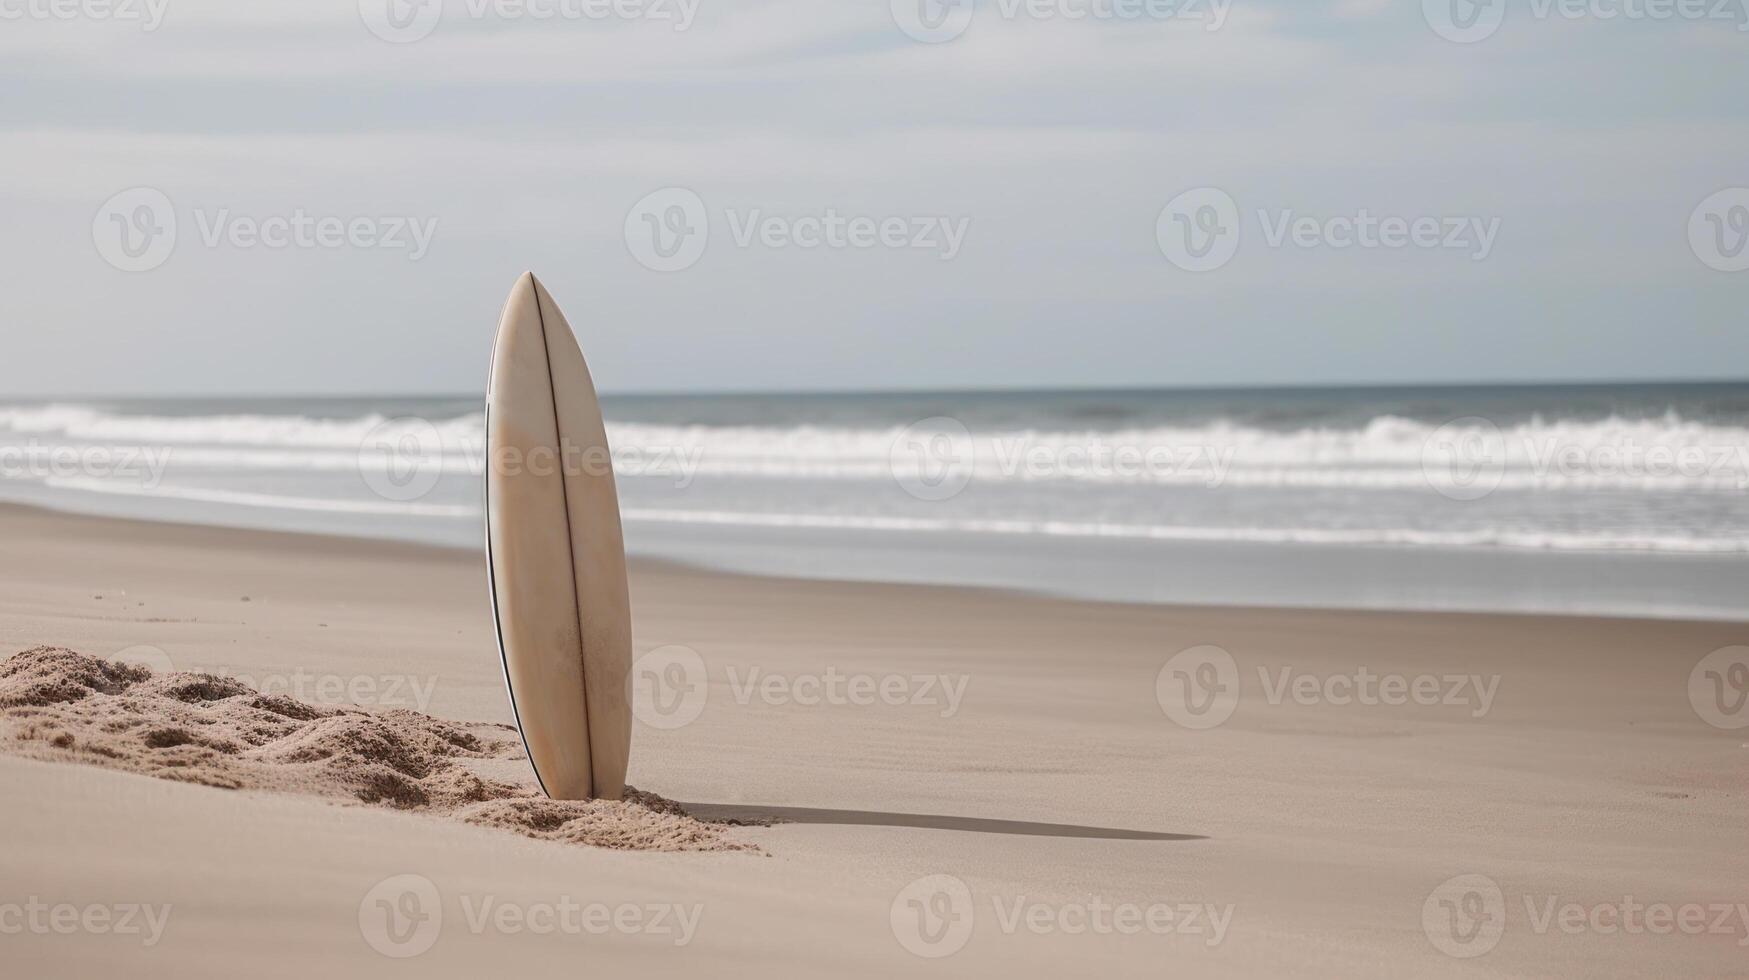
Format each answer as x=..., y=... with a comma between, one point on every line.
x=524, y=299
x=530, y=294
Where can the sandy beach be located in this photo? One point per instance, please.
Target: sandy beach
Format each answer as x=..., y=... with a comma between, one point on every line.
x=947, y=781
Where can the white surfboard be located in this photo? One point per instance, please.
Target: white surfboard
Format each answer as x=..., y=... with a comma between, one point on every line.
x=556, y=554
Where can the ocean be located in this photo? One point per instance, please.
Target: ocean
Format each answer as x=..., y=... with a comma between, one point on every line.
x=1622, y=499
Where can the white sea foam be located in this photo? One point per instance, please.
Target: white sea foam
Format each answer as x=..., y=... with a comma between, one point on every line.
x=1538, y=540
x=1665, y=484
x=1517, y=538
x=1387, y=453
x=86, y=424
x=1669, y=454
x=274, y=501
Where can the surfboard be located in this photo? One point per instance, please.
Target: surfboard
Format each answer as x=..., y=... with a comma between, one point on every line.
x=556, y=554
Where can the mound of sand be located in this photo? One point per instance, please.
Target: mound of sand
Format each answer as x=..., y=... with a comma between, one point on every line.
x=62, y=706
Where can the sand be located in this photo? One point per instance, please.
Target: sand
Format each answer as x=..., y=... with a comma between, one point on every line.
x=212, y=730
x=1023, y=806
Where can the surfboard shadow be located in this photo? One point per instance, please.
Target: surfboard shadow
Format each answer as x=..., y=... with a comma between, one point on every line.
x=921, y=821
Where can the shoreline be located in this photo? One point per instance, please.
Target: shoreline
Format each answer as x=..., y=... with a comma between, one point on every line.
x=653, y=561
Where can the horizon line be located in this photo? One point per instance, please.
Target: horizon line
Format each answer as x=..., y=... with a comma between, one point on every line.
x=983, y=390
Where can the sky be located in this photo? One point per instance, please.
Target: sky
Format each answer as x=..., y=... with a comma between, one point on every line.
x=335, y=196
